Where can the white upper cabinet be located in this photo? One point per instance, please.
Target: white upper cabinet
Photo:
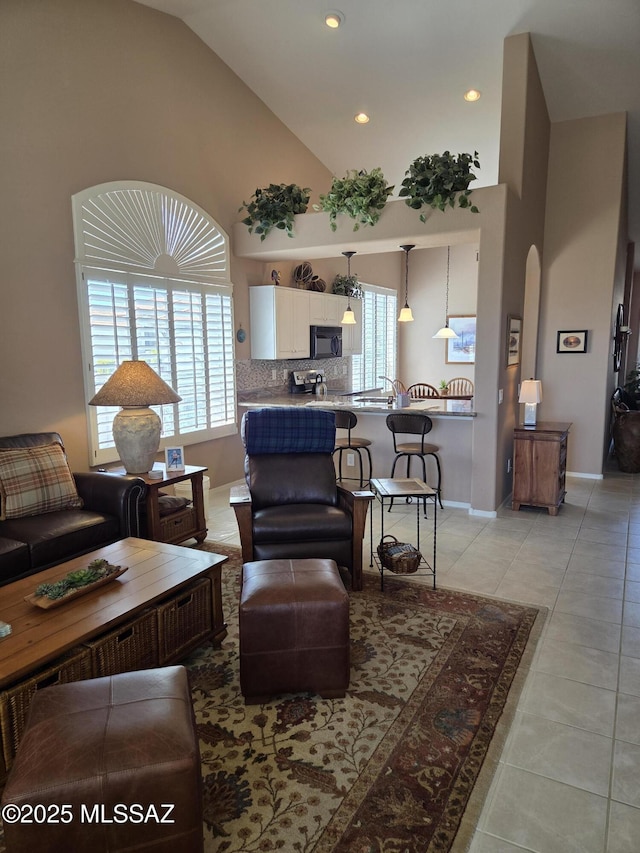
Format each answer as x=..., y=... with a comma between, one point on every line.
x=325, y=309
x=279, y=318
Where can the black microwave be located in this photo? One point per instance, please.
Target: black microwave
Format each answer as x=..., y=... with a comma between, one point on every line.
x=326, y=341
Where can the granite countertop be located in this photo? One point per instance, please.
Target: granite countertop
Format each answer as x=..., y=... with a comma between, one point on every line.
x=434, y=407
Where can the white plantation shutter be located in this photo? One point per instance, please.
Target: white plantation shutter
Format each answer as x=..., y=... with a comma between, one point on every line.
x=379, y=338
x=180, y=323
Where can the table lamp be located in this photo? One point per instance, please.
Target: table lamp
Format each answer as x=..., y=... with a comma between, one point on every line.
x=530, y=395
x=136, y=428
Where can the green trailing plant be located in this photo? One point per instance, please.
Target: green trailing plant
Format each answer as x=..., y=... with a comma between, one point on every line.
x=274, y=207
x=632, y=382
x=360, y=194
x=439, y=181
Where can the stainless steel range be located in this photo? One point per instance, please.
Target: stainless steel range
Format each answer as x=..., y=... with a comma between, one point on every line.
x=305, y=381
x=313, y=382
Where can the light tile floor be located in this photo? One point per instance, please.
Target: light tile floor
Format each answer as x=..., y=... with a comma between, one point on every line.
x=569, y=775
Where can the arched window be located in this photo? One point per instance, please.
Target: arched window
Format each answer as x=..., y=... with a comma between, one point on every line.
x=153, y=284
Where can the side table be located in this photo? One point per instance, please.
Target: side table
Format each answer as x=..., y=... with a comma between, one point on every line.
x=411, y=487
x=185, y=523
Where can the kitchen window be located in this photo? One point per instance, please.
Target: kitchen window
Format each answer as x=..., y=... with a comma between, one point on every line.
x=379, y=338
x=153, y=285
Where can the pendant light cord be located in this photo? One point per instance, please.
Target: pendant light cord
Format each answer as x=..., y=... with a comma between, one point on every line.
x=446, y=301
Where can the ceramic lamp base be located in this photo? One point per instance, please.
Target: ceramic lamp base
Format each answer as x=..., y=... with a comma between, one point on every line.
x=136, y=432
x=530, y=414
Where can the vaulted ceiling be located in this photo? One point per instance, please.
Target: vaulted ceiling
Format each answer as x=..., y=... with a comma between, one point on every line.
x=407, y=64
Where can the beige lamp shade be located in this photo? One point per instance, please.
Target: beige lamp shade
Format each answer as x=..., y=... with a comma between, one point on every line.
x=530, y=391
x=134, y=384
x=136, y=428
x=530, y=395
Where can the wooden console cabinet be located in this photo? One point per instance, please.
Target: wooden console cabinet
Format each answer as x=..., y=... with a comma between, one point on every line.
x=539, y=465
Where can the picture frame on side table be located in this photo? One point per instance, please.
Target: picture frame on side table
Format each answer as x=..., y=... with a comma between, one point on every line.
x=514, y=335
x=174, y=459
x=572, y=341
x=461, y=350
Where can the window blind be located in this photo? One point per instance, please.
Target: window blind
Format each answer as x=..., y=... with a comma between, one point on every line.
x=379, y=338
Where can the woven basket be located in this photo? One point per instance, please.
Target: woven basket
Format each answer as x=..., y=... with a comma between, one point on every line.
x=132, y=646
x=398, y=557
x=15, y=702
x=184, y=621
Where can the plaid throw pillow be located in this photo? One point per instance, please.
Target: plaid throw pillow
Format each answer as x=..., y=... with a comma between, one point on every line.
x=36, y=480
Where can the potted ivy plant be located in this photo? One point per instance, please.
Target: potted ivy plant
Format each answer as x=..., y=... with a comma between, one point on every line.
x=274, y=207
x=439, y=181
x=360, y=194
x=347, y=285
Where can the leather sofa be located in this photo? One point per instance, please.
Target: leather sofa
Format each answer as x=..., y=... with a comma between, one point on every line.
x=109, y=511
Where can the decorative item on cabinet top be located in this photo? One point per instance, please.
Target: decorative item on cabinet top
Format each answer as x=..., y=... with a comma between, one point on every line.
x=304, y=278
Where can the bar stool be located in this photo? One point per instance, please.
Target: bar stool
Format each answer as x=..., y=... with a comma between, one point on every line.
x=413, y=424
x=347, y=420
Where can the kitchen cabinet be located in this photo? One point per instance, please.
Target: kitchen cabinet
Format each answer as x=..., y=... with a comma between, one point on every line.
x=279, y=322
x=325, y=309
x=539, y=465
x=352, y=335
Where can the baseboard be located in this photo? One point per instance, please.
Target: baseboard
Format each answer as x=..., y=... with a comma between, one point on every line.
x=582, y=476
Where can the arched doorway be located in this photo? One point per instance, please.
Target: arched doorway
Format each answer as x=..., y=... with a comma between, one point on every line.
x=531, y=315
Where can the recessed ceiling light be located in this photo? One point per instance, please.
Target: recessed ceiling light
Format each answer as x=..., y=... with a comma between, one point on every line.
x=334, y=19
x=361, y=118
x=472, y=95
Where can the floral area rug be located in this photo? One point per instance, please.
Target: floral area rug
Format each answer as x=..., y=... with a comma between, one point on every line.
x=402, y=763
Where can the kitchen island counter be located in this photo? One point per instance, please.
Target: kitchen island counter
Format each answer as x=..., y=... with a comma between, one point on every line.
x=452, y=432
x=435, y=407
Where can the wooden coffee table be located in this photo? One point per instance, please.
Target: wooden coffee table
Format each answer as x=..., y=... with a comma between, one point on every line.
x=156, y=571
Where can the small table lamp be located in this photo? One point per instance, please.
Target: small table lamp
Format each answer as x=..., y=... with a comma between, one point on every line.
x=136, y=428
x=530, y=395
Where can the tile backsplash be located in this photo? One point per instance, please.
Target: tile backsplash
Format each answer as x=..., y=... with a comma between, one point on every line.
x=254, y=375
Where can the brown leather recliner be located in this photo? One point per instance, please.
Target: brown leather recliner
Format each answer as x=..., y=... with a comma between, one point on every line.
x=291, y=506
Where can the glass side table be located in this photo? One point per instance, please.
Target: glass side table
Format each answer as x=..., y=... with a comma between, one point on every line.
x=413, y=489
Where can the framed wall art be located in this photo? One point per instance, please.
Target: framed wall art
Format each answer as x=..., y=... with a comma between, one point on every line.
x=514, y=333
x=174, y=459
x=572, y=341
x=461, y=350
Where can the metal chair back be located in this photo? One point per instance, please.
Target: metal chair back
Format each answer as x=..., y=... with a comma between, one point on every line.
x=412, y=424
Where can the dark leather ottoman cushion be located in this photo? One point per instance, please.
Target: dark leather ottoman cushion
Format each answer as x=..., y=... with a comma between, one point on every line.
x=294, y=629
x=123, y=739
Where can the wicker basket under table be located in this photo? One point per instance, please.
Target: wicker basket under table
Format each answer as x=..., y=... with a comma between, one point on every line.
x=15, y=701
x=184, y=621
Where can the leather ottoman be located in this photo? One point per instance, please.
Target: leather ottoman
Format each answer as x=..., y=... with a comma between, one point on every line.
x=294, y=629
x=108, y=764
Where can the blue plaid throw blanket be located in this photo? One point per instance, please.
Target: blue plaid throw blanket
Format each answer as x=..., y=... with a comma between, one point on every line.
x=288, y=430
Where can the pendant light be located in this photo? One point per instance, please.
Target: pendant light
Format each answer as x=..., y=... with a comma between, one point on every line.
x=445, y=332
x=406, y=316
x=348, y=318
